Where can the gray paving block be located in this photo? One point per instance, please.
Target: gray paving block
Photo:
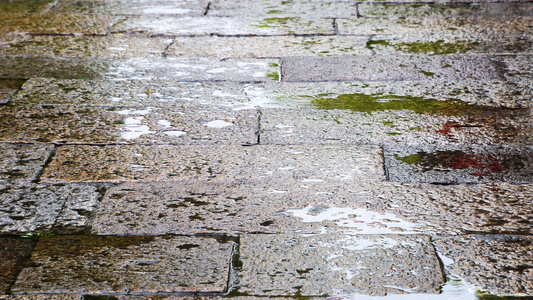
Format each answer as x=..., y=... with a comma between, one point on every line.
x=296, y=265
x=51, y=23
x=101, y=125
x=268, y=46
x=22, y=162
x=112, y=46
x=516, y=69
x=231, y=163
x=273, y=9
x=25, y=6
x=223, y=26
x=45, y=208
x=499, y=264
x=13, y=253
x=388, y=68
x=120, y=265
x=394, y=127
x=137, y=7
x=453, y=165
x=24, y=68
x=46, y=297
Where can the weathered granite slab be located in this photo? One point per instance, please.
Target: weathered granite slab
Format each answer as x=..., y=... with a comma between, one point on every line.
x=101, y=125
x=499, y=264
x=26, y=6
x=52, y=23
x=23, y=162
x=13, y=253
x=119, y=265
x=297, y=265
x=136, y=7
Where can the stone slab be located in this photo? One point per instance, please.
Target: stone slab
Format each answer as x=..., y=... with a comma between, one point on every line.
x=46, y=297
x=499, y=264
x=138, y=7
x=395, y=127
x=283, y=9
x=28, y=67
x=230, y=163
x=13, y=253
x=268, y=46
x=45, y=208
x=55, y=23
x=516, y=69
x=119, y=265
x=7, y=88
x=388, y=68
x=223, y=26
x=23, y=162
x=100, y=125
x=458, y=165
x=112, y=46
x=26, y=6
x=296, y=265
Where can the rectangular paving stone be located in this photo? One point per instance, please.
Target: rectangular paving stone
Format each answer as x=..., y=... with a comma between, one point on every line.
x=268, y=46
x=50, y=23
x=486, y=126
x=516, y=69
x=137, y=7
x=112, y=46
x=277, y=10
x=498, y=264
x=28, y=67
x=459, y=165
x=223, y=26
x=101, y=125
x=46, y=208
x=22, y=162
x=232, y=163
x=9, y=87
x=388, y=68
x=118, y=265
x=297, y=265
x=13, y=253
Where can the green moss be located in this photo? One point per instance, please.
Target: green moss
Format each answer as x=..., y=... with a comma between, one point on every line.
x=430, y=74
x=276, y=22
x=376, y=102
x=410, y=159
x=371, y=43
x=438, y=47
x=271, y=12
x=273, y=65
x=273, y=75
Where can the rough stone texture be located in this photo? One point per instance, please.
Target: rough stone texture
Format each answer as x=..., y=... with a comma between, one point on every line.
x=481, y=126
x=24, y=6
x=315, y=207
x=273, y=9
x=24, y=68
x=46, y=297
x=22, y=162
x=50, y=23
x=453, y=165
x=80, y=124
x=499, y=264
x=388, y=68
x=516, y=69
x=229, y=163
x=113, y=46
x=295, y=265
x=45, y=208
x=268, y=46
x=7, y=88
x=137, y=7
x=14, y=252
x=103, y=265
x=223, y=26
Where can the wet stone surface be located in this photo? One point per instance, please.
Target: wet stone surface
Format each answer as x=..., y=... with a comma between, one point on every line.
x=460, y=165
x=113, y=46
x=216, y=162
x=7, y=88
x=393, y=127
x=268, y=46
x=24, y=68
x=388, y=68
x=499, y=264
x=137, y=7
x=135, y=264
x=223, y=26
x=80, y=124
x=26, y=6
x=22, y=162
x=46, y=208
x=14, y=252
x=295, y=265
x=51, y=23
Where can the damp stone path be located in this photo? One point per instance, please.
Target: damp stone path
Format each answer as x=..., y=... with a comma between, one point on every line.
x=328, y=149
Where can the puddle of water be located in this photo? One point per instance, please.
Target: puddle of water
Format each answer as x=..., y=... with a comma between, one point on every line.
x=133, y=127
x=218, y=124
x=166, y=10
x=359, y=219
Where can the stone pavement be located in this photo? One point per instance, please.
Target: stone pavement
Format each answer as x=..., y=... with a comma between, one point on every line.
x=266, y=148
